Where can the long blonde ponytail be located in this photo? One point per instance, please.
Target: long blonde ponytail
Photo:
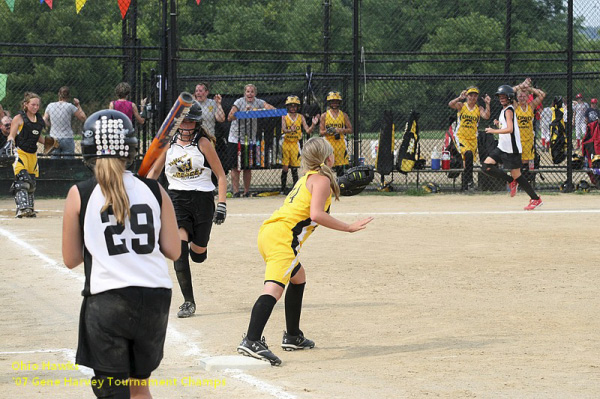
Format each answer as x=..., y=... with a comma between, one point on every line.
x=109, y=174
x=314, y=157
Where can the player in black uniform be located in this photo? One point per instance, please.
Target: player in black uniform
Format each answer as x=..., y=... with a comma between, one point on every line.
x=193, y=169
x=121, y=227
x=26, y=131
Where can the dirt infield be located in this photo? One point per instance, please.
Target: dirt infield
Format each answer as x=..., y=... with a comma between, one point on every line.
x=442, y=296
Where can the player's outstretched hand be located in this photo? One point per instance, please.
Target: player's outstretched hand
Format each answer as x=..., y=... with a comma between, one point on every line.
x=359, y=225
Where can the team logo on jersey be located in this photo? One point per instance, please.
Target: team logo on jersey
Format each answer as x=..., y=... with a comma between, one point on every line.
x=185, y=169
x=35, y=132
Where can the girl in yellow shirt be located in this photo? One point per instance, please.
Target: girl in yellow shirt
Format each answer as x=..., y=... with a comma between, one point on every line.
x=279, y=241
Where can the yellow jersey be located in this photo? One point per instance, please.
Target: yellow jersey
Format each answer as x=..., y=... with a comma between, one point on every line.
x=467, y=122
x=294, y=214
x=296, y=125
x=330, y=121
x=525, y=120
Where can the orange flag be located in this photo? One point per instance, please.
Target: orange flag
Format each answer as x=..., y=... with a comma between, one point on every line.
x=198, y=2
x=49, y=2
x=124, y=6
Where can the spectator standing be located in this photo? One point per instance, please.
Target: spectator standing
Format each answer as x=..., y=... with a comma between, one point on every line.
x=591, y=111
x=334, y=126
x=5, y=129
x=58, y=116
x=469, y=114
x=238, y=132
x=121, y=227
x=125, y=106
x=545, y=121
x=212, y=111
x=579, y=108
x=189, y=165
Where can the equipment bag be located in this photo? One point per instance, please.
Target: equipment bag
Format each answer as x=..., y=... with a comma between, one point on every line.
x=407, y=153
x=558, y=137
x=385, y=152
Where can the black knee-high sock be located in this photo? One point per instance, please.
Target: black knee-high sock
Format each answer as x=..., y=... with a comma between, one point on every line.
x=184, y=274
x=294, y=176
x=494, y=171
x=283, y=180
x=527, y=187
x=260, y=315
x=293, y=307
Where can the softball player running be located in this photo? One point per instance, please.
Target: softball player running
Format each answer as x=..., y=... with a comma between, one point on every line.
x=509, y=149
x=189, y=165
x=121, y=227
x=291, y=126
x=335, y=125
x=279, y=241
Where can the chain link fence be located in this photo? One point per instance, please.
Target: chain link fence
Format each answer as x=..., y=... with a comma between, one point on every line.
x=379, y=55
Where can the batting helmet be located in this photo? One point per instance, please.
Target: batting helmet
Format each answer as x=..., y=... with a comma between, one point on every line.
x=194, y=113
x=507, y=91
x=292, y=100
x=108, y=133
x=334, y=95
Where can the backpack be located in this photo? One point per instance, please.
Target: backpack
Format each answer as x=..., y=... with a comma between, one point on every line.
x=558, y=138
x=385, y=153
x=407, y=153
x=456, y=161
x=486, y=143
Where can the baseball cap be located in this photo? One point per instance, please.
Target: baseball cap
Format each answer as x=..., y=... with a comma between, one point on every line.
x=579, y=95
x=594, y=101
x=472, y=89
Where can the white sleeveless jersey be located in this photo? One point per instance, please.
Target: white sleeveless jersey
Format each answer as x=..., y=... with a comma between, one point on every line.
x=187, y=170
x=510, y=142
x=117, y=256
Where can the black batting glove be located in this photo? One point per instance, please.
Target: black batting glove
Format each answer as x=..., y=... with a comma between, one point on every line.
x=220, y=213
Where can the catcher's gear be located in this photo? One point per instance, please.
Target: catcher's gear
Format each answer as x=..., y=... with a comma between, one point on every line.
x=220, y=213
x=50, y=143
x=356, y=179
x=108, y=133
x=292, y=100
x=8, y=150
x=431, y=188
x=334, y=95
x=507, y=91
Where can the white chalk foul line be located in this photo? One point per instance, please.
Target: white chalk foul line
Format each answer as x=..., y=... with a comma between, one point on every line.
x=193, y=350
x=438, y=213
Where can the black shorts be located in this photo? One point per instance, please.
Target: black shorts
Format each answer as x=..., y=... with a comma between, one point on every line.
x=508, y=160
x=194, y=211
x=232, y=157
x=123, y=330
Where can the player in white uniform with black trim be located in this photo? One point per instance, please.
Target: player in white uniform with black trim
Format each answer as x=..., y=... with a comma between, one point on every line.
x=121, y=227
x=509, y=149
x=189, y=165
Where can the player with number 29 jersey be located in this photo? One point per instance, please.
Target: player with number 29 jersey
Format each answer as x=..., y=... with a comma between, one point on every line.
x=109, y=246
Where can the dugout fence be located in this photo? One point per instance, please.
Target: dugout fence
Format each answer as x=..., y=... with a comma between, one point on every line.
x=381, y=55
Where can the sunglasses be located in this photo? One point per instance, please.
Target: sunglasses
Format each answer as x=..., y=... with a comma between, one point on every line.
x=7, y=125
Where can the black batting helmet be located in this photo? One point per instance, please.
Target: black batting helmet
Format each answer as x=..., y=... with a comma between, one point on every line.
x=194, y=113
x=108, y=133
x=507, y=91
